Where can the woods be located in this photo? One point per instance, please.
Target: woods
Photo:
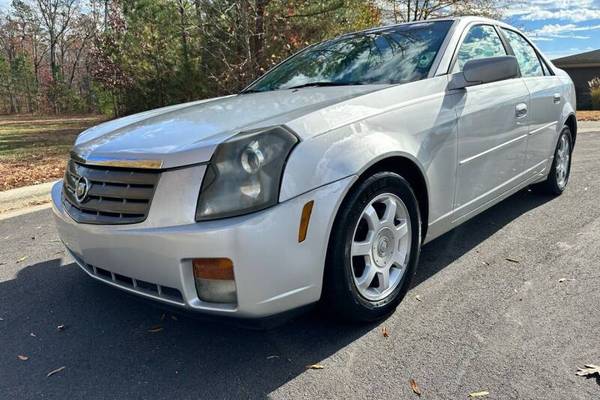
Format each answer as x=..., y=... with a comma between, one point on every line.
x=118, y=57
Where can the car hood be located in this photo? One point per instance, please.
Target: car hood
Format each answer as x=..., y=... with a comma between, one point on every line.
x=188, y=133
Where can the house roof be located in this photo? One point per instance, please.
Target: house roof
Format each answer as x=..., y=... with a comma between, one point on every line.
x=588, y=59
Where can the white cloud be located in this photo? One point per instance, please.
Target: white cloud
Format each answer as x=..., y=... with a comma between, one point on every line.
x=567, y=10
x=562, y=31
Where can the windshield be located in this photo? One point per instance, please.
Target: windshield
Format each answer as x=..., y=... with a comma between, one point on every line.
x=398, y=54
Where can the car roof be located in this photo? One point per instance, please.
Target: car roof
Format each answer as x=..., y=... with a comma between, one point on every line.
x=463, y=20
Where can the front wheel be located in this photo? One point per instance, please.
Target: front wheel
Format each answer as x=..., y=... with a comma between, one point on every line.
x=373, y=250
x=558, y=178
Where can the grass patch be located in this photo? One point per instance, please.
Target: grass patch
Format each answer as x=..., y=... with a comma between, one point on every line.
x=34, y=149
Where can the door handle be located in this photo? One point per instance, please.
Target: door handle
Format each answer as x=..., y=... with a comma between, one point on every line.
x=521, y=110
x=556, y=98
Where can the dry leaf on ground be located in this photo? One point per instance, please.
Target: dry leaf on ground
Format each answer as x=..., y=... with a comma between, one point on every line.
x=315, y=366
x=418, y=298
x=20, y=260
x=512, y=260
x=155, y=329
x=61, y=327
x=22, y=357
x=589, y=370
x=384, y=332
x=55, y=371
x=479, y=394
x=415, y=387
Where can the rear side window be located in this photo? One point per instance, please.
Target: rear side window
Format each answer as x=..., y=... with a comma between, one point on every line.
x=481, y=41
x=526, y=56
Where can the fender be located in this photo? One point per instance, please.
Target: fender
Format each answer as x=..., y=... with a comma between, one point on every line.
x=427, y=136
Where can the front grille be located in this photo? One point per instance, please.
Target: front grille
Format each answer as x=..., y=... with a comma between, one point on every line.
x=115, y=196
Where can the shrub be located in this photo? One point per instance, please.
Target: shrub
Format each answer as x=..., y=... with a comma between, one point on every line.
x=595, y=93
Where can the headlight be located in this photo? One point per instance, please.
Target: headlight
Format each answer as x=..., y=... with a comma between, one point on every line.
x=244, y=173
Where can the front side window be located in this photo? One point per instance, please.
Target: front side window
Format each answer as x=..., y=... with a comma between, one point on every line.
x=529, y=62
x=481, y=41
x=399, y=54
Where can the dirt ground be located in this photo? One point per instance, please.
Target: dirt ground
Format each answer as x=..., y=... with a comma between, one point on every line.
x=588, y=115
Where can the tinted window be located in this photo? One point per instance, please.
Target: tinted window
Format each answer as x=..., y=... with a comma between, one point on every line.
x=526, y=55
x=481, y=41
x=399, y=54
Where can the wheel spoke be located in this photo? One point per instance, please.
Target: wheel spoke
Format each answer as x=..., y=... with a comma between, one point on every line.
x=371, y=217
x=365, y=280
x=361, y=248
x=401, y=230
x=384, y=279
x=390, y=211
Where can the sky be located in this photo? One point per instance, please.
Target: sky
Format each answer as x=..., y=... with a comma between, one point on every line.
x=558, y=27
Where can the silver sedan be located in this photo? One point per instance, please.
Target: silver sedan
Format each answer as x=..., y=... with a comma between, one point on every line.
x=322, y=179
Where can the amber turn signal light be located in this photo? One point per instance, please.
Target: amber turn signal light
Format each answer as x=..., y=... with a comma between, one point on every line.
x=304, y=220
x=213, y=268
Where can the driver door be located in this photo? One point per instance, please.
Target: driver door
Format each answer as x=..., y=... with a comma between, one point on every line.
x=492, y=128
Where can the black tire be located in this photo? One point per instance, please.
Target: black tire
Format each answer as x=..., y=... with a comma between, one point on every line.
x=340, y=295
x=551, y=185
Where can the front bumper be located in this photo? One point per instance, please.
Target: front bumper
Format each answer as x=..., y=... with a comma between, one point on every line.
x=273, y=272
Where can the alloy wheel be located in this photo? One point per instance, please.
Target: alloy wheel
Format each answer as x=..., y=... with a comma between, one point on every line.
x=380, y=249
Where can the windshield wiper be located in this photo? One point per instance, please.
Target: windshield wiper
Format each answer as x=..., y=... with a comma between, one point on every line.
x=252, y=91
x=324, y=84
x=305, y=85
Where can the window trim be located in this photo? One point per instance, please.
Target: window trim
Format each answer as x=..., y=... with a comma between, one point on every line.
x=463, y=36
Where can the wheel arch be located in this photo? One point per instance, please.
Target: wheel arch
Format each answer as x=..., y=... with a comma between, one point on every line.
x=571, y=122
x=409, y=170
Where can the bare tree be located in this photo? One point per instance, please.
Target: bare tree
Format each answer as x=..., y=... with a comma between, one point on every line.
x=56, y=17
x=416, y=10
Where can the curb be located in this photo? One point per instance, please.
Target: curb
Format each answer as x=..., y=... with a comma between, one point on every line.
x=19, y=198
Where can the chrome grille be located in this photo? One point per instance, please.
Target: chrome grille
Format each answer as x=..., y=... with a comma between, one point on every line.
x=115, y=196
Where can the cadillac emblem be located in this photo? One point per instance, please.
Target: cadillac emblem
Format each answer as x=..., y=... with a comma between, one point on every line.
x=82, y=187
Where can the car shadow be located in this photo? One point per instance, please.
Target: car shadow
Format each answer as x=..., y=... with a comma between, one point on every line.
x=114, y=346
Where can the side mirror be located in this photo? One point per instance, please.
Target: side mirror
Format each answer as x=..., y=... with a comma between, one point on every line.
x=485, y=70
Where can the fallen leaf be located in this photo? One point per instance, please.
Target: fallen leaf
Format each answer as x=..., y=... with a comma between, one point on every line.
x=589, y=370
x=54, y=371
x=315, y=366
x=485, y=263
x=384, y=332
x=415, y=387
x=22, y=358
x=32, y=334
x=512, y=260
x=20, y=260
x=479, y=394
x=61, y=327
x=418, y=298
x=155, y=329
x=272, y=357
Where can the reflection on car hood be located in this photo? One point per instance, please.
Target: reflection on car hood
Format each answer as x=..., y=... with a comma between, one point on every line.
x=188, y=133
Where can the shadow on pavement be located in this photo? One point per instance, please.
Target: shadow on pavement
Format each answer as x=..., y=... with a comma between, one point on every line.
x=109, y=353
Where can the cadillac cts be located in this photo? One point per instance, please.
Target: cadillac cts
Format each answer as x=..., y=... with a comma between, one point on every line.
x=322, y=179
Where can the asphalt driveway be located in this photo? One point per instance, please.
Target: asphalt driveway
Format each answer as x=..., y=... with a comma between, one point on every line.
x=508, y=303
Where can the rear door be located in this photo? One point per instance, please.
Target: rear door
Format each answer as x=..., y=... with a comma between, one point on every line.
x=545, y=101
x=493, y=126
